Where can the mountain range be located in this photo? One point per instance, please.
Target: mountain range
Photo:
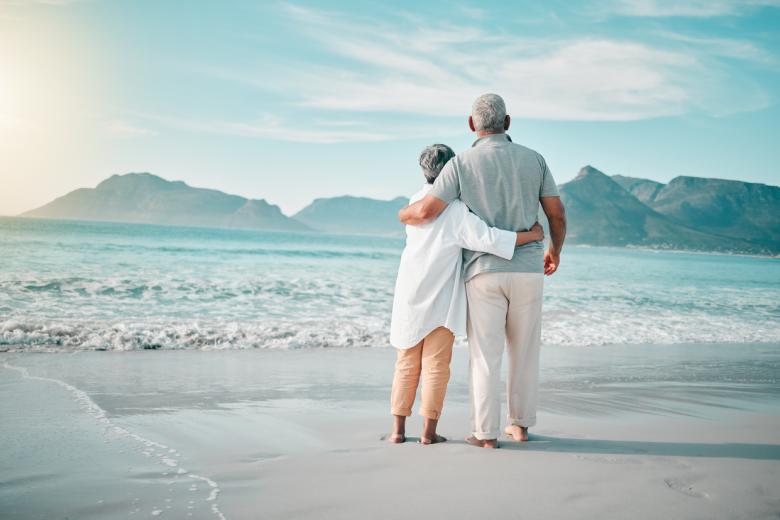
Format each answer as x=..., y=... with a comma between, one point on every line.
x=690, y=213
x=149, y=199
x=722, y=207
x=349, y=214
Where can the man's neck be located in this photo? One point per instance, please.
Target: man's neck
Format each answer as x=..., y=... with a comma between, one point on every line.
x=483, y=133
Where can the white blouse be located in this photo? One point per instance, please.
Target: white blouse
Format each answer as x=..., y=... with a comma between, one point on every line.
x=430, y=291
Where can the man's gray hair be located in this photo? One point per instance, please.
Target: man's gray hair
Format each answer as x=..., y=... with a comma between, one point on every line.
x=433, y=159
x=488, y=112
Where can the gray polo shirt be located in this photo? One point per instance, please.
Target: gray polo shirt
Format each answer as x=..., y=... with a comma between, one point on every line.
x=501, y=182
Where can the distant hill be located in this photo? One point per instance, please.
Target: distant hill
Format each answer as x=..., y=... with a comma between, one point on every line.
x=689, y=213
x=643, y=189
x=602, y=212
x=147, y=198
x=354, y=215
x=740, y=210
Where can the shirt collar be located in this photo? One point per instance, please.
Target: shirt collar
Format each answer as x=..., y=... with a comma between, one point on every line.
x=492, y=138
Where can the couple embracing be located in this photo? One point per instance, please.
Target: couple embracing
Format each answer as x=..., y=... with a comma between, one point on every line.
x=474, y=265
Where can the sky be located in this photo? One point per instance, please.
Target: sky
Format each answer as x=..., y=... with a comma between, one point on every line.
x=290, y=101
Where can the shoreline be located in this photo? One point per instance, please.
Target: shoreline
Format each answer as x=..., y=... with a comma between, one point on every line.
x=17, y=348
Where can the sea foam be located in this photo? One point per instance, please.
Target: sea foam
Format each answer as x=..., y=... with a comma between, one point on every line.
x=103, y=287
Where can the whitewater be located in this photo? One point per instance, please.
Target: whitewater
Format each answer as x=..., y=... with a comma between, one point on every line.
x=67, y=286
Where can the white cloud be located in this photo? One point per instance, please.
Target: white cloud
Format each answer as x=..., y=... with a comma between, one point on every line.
x=271, y=127
x=688, y=8
x=578, y=80
x=422, y=68
x=378, y=74
x=472, y=12
x=120, y=128
x=725, y=47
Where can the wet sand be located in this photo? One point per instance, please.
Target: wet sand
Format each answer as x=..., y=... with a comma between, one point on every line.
x=684, y=431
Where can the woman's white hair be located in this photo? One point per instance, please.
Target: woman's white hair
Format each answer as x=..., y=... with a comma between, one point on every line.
x=433, y=159
x=488, y=112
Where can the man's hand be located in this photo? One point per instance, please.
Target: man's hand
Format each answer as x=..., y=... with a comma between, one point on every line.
x=556, y=217
x=552, y=260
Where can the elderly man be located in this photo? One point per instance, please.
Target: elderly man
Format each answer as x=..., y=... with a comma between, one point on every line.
x=503, y=183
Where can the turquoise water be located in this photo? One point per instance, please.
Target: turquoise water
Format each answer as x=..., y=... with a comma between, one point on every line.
x=85, y=285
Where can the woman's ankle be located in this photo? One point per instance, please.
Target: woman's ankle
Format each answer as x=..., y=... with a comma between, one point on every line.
x=429, y=428
x=399, y=425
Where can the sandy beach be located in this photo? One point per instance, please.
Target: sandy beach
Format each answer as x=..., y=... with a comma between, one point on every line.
x=684, y=431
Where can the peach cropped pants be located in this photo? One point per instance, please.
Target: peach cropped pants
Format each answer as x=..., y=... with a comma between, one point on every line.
x=430, y=358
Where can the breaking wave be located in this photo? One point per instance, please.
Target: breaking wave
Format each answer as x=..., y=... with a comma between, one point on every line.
x=562, y=330
x=66, y=286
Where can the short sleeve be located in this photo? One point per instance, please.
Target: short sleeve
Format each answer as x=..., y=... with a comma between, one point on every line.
x=548, y=188
x=447, y=185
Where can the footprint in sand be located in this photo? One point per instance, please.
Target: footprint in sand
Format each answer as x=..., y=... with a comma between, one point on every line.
x=684, y=488
x=261, y=457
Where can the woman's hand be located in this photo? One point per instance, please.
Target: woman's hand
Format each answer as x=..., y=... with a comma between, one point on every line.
x=537, y=232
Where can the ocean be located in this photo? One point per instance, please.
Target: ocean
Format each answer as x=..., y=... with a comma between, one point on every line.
x=68, y=285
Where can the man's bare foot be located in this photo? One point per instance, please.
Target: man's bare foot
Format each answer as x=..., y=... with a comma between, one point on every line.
x=436, y=439
x=518, y=433
x=396, y=438
x=486, y=443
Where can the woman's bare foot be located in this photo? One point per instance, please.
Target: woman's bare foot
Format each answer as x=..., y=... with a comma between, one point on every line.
x=396, y=438
x=486, y=443
x=436, y=439
x=518, y=433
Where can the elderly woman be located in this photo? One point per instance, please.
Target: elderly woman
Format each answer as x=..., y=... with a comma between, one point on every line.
x=429, y=307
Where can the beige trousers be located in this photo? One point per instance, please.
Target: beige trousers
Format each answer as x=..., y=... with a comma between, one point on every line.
x=430, y=357
x=504, y=309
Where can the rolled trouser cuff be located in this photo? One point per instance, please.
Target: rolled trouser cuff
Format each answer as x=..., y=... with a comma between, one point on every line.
x=525, y=422
x=430, y=414
x=403, y=412
x=485, y=436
